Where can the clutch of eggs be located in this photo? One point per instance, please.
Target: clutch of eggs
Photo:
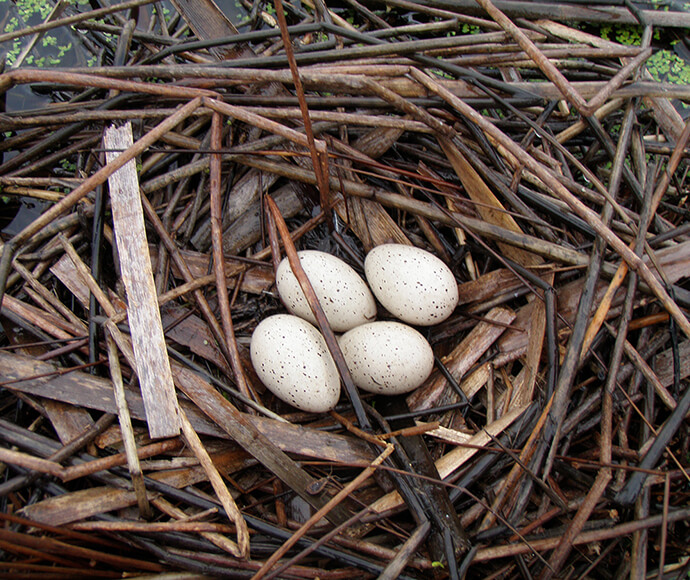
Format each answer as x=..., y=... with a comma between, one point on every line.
x=291, y=357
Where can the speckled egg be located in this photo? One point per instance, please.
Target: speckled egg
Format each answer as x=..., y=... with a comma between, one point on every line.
x=388, y=358
x=292, y=360
x=344, y=296
x=412, y=284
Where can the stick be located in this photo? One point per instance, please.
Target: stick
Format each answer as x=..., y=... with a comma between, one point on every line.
x=148, y=340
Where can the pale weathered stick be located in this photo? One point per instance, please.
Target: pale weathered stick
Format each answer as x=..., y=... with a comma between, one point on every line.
x=223, y=542
x=126, y=429
x=148, y=340
x=219, y=487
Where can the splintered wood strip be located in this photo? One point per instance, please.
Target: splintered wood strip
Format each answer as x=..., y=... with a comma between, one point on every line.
x=457, y=457
x=151, y=528
x=65, y=271
x=463, y=357
x=69, y=422
x=148, y=341
x=448, y=435
x=488, y=286
x=405, y=553
x=27, y=375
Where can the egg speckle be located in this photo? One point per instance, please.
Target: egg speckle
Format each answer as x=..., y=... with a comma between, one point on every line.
x=411, y=283
x=388, y=358
x=345, y=298
x=291, y=358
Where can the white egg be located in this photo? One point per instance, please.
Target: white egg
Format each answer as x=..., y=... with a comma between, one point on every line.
x=292, y=360
x=387, y=357
x=344, y=296
x=412, y=284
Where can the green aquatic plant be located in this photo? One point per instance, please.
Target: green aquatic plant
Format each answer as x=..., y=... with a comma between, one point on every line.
x=665, y=65
x=470, y=29
x=627, y=34
x=51, y=51
x=68, y=166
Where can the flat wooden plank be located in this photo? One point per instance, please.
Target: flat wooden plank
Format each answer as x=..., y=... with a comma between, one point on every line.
x=68, y=421
x=65, y=271
x=148, y=340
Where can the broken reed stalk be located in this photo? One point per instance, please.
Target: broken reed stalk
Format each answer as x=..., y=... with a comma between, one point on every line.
x=224, y=496
x=126, y=429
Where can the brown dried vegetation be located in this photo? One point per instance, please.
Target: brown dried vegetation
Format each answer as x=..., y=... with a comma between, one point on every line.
x=541, y=163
